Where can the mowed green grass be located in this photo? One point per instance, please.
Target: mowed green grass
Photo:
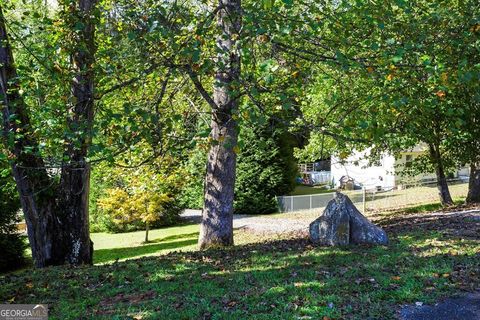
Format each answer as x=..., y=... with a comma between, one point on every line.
x=259, y=279
x=114, y=247
x=110, y=247
x=301, y=190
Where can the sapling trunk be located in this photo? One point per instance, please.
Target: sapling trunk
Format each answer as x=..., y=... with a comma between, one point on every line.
x=147, y=228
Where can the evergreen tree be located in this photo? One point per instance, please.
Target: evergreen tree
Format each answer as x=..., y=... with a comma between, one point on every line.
x=266, y=168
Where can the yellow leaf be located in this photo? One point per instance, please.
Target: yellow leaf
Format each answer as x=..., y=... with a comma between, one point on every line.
x=444, y=77
x=236, y=149
x=344, y=155
x=475, y=28
x=390, y=77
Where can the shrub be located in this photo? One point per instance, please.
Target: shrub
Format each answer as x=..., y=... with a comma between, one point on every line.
x=128, y=212
x=12, y=246
x=127, y=199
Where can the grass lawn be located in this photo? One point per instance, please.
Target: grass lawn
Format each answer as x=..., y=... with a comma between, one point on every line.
x=110, y=247
x=279, y=279
x=301, y=190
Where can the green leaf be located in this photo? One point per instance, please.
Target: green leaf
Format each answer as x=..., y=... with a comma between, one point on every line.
x=79, y=26
x=268, y=4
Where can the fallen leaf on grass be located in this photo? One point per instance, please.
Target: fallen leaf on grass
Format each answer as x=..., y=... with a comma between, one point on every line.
x=232, y=304
x=128, y=298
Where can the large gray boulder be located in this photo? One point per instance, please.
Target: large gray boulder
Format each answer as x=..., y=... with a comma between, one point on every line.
x=341, y=223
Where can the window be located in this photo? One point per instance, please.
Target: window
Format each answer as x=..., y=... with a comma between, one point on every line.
x=408, y=160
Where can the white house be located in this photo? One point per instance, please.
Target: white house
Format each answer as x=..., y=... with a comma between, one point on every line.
x=385, y=175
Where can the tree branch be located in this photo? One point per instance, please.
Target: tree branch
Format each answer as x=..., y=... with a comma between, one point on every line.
x=198, y=85
x=125, y=83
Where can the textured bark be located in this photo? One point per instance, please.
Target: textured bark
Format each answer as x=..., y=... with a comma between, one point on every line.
x=56, y=214
x=75, y=177
x=28, y=169
x=217, y=216
x=442, y=185
x=473, y=195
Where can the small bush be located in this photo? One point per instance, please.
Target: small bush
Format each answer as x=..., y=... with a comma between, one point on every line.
x=125, y=199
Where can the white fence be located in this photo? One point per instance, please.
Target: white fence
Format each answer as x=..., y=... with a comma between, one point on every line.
x=374, y=200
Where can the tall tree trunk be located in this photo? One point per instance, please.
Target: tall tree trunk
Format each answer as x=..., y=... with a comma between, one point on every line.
x=56, y=215
x=442, y=184
x=75, y=177
x=28, y=168
x=217, y=216
x=473, y=195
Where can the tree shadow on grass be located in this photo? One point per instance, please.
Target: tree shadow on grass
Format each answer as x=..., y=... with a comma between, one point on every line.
x=176, y=237
x=269, y=280
x=453, y=226
x=106, y=255
x=292, y=277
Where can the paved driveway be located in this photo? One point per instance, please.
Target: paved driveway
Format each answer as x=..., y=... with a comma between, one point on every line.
x=258, y=224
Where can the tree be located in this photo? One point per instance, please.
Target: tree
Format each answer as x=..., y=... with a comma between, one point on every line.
x=266, y=168
x=406, y=87
x=217, y=215
x=129, y=210
x=138, y=197
x=55, y=207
